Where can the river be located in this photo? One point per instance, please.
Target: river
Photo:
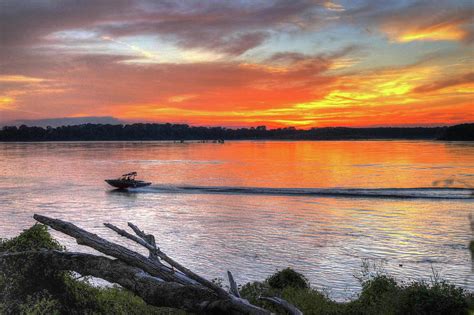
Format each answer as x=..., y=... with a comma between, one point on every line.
x=254, y=207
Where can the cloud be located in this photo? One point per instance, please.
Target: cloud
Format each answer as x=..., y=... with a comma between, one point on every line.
x=19, y=79
x=234, y=45
x=26, y=22
x=66, y=121
x=415, y=20
x=229, y=27
x=236, y=62
x=429, y=26
x=106, y=85
x=442, y=84
x=333, y=6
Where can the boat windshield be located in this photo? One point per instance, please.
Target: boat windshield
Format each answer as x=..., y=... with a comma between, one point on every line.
x=128, y=176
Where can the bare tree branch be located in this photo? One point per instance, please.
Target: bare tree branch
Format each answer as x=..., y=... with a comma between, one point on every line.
x=128, y=256
x=180, y=267
x=148, y=277
x=148, y=238
x=153, y=290
x=233, y=285
x=130, y=236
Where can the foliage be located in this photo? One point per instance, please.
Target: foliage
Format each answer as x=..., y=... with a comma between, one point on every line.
x=463, y=132
x=439, y=297
x=21, y=280
x=288, y=278
x=41, y=303
x=32, y=287
x=36, y=237
x=91, y=132
x=380, y=294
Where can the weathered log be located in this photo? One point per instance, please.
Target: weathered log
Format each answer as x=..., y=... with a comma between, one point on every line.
x=165, y=257
x=153, y=290
x=148, y=238
x=128, y=256
x=138, y=240
x=148, y=277
x=233, y=285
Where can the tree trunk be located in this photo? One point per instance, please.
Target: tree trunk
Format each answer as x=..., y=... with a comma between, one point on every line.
x=158, y=279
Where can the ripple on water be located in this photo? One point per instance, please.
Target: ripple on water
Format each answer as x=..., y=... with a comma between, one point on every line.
x=324, y=237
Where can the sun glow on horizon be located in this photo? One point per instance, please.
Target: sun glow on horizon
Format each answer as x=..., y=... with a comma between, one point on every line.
x=242, y=63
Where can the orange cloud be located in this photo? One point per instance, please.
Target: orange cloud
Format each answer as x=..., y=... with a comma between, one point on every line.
x=419, y=23
x=20, y=79
x=6, y=102
x=430, y=33
x=288, y=90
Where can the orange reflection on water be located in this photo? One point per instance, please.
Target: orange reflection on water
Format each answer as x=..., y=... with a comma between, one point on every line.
x=251, y=234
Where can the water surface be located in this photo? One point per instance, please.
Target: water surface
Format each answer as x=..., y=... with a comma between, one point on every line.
x=255, y=207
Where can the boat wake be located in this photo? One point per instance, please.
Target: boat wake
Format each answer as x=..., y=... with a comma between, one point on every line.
x=426, y=193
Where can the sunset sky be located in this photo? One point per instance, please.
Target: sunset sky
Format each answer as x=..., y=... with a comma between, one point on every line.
x=239, y=63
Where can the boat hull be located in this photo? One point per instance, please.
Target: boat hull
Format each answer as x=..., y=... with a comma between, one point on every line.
x=124, y=184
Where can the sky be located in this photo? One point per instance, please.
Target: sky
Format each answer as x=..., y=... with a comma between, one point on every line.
x=300, y=63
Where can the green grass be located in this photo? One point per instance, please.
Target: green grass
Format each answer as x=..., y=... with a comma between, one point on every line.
x=32, y=288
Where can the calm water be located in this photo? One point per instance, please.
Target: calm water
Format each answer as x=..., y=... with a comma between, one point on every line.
x=265, y=213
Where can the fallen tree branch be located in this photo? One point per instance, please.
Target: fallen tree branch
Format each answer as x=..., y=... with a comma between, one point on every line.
x=148, y=238
x=148, y=277
x=143, y=241
x=128, y=256
x=131, y=237
x=233, y=285
x=153, y=290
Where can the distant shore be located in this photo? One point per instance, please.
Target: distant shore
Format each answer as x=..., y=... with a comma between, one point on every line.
x=183, y=132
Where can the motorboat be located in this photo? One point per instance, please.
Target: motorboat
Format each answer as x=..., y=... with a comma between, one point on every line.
x=127, y=181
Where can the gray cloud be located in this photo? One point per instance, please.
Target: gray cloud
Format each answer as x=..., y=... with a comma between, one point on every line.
x=26, y=22
x=438, y=85
x=230, y=27
x=397, y=17
x=66, y=121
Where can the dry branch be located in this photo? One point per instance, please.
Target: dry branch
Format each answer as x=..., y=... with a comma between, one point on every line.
x=157, y=283
x=148, y=238
x=233, y=285
x=153, y=290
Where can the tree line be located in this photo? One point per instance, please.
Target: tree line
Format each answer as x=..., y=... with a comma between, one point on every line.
x=148, y=131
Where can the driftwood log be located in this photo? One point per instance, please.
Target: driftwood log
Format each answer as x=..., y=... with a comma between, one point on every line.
x=158, y=279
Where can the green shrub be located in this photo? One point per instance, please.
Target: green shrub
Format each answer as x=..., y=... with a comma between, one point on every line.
x=41, y=303
x=83, y=298
x=288, y=278
x=22, y=279
x=380, y=294
x=378, y=291
x=293, y=287
x=32, y=287
x=34, y=238
x=436, y=298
